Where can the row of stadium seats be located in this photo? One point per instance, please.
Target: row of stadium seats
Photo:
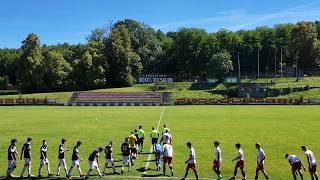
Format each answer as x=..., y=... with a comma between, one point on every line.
x=116, y=99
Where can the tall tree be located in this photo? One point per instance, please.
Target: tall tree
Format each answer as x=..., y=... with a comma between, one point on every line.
x=56, y=71
x=30, y=64
x=220, y=65
x=304, y=42
x=144, y=42
x=124, y=63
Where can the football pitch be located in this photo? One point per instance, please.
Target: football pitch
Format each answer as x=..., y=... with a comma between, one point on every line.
x=280, y=130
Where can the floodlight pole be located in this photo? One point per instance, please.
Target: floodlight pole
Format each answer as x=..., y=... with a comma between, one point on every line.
x=239, y=70
x=281, y=61
x=275, y=65
x=258, y=63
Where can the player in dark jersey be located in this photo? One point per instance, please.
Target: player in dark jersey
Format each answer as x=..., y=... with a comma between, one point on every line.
x=43, y=158
x=12, y=157
x=62, y=161
x=94, y=161
x=109, y=159
x=125, y=149
x=26, y=154
x=75, y=159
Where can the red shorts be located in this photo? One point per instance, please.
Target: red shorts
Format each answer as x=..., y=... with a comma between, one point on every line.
x=167, y=160
x=216, y=164
x=297, y=166
x=240, y=164
x=313, y=169
x=191, y=166
x=260, y=167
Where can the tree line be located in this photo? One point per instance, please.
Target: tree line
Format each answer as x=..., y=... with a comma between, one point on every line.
x=115, y=55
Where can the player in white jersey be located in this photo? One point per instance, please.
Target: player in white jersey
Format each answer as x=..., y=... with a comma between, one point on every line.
x=167, y=158
x=240, y=162
x=296, y=165
x=312, y=162
x=217, y=159
x=191, y=162
x=12, y=157
x=166, y=137
x=261, y=156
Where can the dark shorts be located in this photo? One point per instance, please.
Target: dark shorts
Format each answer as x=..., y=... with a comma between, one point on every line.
x=260, y=167
x=297, y=166
x=216, y=164
x=240, y=164
x=133, y=150
x=167, y=160
x=154, y=140
x=313, y=169
x=191, y=166
x=140, y=141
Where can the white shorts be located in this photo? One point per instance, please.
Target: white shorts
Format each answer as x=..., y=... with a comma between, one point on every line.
x=27, y=161
x=44, y=161
x=11, y=164
x=125, y=159
x=62, y=162
x=75, y=163
x=93, y=164
x=108, y=161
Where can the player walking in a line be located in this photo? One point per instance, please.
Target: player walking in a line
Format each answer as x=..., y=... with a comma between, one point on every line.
x=12, y=157
x=165, y=129
x=261, y=156
x=217, y=159
x=62, y=161
x=311, y=161
x=133, y=147
x=109, y=158
x=44, y=159
x=94, y=162
x=296, y=165
x=141, y=135
x=125, y=149
x=76, y=159
x=166, y=137
x=240, y=162
x=158, y=155
x=167, y=158
x=191, y=162
x=26, y=154
x=154, y=135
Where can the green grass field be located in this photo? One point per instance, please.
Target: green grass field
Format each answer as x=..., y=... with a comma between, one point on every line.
x=280, y=129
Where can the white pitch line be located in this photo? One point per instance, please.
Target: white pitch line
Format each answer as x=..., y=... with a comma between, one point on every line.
x=151, y=149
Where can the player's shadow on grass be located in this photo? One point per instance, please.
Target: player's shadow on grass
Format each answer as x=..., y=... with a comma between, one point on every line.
x=151, y=175
x=145, y=153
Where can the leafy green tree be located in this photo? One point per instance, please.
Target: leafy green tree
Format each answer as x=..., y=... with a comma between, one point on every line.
x=144, y=42
x=220, y=65
x=124, y=63
x=30, y=64
x=304, y=42
x=56, y=71
x=89, y=70
x=186, y=52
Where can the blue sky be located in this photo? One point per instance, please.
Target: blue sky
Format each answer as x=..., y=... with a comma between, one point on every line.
x=58, y=21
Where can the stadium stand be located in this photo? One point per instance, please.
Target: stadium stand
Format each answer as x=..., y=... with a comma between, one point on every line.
x=119, y=99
